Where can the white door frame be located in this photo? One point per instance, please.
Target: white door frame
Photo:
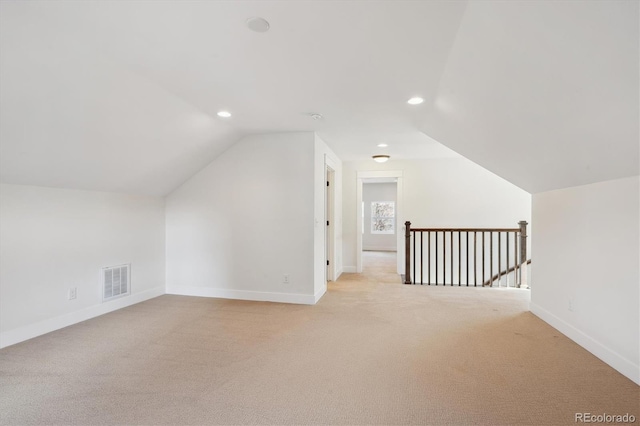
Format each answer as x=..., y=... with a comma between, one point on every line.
x=361, y=176
x=330, y=216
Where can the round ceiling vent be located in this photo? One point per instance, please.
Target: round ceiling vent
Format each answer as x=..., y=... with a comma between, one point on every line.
x=257, y=24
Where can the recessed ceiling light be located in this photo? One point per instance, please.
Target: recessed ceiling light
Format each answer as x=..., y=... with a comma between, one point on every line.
x=382, y=145
x=224, y=114
x=258, y=24
x=415, y=101
x=315, y=116
x=380, y=158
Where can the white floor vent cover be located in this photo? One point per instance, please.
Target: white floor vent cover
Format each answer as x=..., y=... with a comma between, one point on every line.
x=115, y=282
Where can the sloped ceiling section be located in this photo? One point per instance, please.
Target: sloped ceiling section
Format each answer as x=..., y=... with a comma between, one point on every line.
x=543, y=93
x=72, y=117
x=123, y=95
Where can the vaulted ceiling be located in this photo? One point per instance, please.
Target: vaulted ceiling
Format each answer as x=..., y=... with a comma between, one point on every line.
x=123, y=96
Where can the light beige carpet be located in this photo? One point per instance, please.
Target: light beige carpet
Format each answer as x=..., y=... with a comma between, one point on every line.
x=372, y=351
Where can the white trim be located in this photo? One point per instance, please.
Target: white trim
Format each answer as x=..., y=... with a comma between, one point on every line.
x=330, y=204
x=359, y=225
x=30, y=331
x=331, y=161
x=256, y=296
x=379, y=248
x=335, y=165
x=360, y=176
x=319, y=294
x=379, y=174
x=609, y=356
x=349, y=269
x=400, y=225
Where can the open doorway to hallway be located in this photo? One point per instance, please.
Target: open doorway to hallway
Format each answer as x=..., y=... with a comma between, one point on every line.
x=379, y=225
x=381, y=217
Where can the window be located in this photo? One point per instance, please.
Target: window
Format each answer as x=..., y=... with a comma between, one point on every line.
x=383, y=217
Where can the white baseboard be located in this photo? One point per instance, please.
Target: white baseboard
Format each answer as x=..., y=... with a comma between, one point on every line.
x=338, y=273
x=612, y=358
x=27, y=332
x=319, y=294
x=349, y=269
x=257, y=296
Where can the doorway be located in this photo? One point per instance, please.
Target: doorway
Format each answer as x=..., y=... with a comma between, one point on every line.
x=329, y=214
x=381, y=231
x=379, y=225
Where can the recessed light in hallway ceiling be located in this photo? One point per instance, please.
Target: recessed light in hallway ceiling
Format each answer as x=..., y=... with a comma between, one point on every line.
x=382, y=145
x=415, y=101
x=258, y=24
x=224, y=114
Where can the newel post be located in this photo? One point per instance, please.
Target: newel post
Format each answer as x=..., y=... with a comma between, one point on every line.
x=407, y=252
x=523, y=254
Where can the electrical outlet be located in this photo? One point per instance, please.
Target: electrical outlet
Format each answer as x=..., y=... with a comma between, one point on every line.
x=285, y=279
x=571, y=304
x=73, y=293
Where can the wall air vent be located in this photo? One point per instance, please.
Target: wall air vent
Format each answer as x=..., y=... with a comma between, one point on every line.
x=115, y=282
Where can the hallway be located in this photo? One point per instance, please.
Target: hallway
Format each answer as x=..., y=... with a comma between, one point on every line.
x=380, y=263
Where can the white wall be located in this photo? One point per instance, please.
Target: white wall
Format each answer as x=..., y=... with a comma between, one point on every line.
x=378, y=192
x=586, y=252
x=323, y=156
x=54, y=239
x=439, y=193
x=243, y=222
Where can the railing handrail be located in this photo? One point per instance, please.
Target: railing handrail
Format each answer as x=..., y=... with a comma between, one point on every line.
x=465, y=229
x=504, y=272
x=519, y=238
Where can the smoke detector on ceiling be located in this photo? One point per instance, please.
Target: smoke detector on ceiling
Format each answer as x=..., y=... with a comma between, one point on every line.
x=258, y=24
